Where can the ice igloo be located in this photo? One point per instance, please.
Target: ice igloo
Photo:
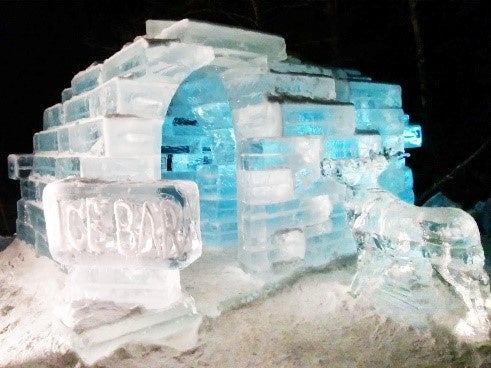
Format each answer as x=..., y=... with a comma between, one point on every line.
x=294, y=162
x=228, y=109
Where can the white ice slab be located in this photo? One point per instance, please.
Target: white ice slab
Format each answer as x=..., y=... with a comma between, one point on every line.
x=170, y=60
x=255, y=121
x=121, y=168
x=320, y=119
x=310, y=87
x=145, y=99
x=218, y=36
x=152, y=288
x=262, y=187
x=130, y=137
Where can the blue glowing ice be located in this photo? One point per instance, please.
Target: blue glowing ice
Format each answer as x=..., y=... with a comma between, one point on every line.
x=231, y=113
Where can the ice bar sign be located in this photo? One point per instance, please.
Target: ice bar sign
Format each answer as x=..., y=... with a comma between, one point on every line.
x=121, y=224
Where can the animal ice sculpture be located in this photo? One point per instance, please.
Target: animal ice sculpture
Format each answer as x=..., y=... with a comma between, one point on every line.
x=404, y=249
x=401, y=246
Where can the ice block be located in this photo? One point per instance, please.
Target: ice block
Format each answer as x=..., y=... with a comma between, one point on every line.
x=218, y=36
x=19, y=166
x=111, y=224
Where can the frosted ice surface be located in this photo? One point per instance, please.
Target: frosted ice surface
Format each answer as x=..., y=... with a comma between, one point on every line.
x=372, y=95
x=401, y=245
x=152, y=287
x=129, y=61
x=265, y=186
x=66, y=94
x=121, y=168
x=228, y=58
x=259, y=120
x=413, y=136
x=172, y=61
x=128, y=97
x=299, y=154
x=254, y=86
x=318, y=119
x=176, y=326
x=131, y=137
x=218, y=36
x=53, y=116
x=19, y=166
x=353, y=146
x=55, y=166
x=384, y=121
x=120, y=136
x=87, y=79
x=308, y=86
x=114, y=224
x=45, y=141
x=291, y=67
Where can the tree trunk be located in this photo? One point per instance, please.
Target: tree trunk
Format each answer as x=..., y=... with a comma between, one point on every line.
x=332, y=21
x=257, y=13
x=420, y=58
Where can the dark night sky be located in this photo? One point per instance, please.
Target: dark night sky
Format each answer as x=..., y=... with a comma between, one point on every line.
x=44, y=43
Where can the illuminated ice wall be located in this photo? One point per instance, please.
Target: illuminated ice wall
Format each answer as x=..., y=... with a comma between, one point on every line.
x=229, y=110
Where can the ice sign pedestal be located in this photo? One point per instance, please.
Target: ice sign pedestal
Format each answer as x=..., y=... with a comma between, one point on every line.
x=123, y=244
x=124, y=241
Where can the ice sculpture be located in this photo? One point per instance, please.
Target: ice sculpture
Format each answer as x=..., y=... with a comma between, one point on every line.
x=402, y=246
x=123, y=244
x=113, y=230
x=110, y=224
x=404, y=249
x=283, y=153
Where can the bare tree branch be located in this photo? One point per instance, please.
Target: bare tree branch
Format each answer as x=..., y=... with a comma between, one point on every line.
x=451, y=175
x=257, y=12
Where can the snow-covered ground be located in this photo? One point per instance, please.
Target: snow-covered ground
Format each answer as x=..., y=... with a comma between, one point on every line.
x=305, y=320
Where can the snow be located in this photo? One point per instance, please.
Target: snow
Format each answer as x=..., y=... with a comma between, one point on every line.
x=307, y=319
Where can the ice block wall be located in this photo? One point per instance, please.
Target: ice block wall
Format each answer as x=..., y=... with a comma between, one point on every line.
x=198, y=143
x=227, y=109
x=108, y=125
x=287, y=120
